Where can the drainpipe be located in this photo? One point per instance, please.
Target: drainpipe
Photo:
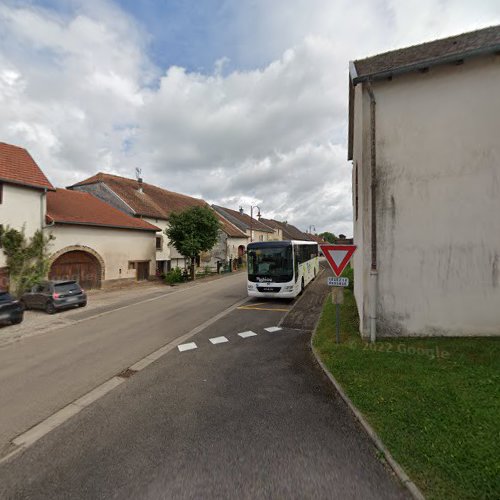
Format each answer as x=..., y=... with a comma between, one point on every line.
x=42, y=218
x=373, y=188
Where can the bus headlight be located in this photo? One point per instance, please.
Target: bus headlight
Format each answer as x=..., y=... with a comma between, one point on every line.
x=250, y=286
x=289, y=288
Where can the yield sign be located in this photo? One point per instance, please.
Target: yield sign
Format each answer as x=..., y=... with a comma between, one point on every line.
x=338, y=256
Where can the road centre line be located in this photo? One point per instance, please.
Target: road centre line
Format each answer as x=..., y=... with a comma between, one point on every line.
x=250, y=308
x=247, y=334
x=29, y=437
x=70, y=322
x=218, y=340
x=187, y=347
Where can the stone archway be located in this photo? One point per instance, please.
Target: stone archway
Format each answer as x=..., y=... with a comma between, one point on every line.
x=78, y=262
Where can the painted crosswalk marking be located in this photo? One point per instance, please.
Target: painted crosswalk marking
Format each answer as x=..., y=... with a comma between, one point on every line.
x=187, y=347
x=272, y=329
x=247, y=334
x=219, y=340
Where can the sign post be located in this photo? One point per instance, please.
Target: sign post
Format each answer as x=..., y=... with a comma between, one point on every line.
x=338, y=257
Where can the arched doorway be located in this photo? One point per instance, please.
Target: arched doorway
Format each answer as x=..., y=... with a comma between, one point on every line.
x=77, y=265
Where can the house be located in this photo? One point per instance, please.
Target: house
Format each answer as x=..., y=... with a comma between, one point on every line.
x=286, y=231
x=276, y=227
x=251, y=226
x=23, y=191
x=320, y=240
x=154, y=205
x=95, y=243
x=424, y=127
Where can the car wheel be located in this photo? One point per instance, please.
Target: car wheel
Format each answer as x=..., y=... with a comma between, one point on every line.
x=50, y=308
x=16, y=321
x=83, y=304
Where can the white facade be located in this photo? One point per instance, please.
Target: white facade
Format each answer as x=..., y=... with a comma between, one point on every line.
x=116, y=247
x=437, y=201
x=21, y=207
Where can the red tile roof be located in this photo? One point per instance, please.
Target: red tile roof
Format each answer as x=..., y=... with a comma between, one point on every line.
x=152, y=202
x=74, y=207
x=18, y=167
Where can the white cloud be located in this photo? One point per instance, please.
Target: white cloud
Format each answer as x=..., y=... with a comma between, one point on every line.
x=80, y=92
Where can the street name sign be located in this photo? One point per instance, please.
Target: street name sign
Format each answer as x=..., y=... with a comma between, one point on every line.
x=338, y=281
x=338, y=256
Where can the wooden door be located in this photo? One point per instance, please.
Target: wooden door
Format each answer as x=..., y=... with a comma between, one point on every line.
x=77, y=265
x=142, y=271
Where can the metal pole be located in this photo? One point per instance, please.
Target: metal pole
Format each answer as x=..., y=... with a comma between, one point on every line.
x=251, y=220
x=337, y=319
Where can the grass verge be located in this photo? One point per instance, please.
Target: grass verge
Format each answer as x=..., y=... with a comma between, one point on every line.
x=435, y=403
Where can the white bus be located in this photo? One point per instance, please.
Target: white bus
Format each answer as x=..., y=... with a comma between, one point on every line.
x=281, y=269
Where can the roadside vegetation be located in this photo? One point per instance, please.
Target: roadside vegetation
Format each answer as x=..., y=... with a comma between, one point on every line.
x=27, y=258
x=435, y=403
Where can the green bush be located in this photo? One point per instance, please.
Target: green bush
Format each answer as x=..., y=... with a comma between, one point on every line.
x=174, y=276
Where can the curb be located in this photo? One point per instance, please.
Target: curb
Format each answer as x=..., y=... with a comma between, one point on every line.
x=398, y=470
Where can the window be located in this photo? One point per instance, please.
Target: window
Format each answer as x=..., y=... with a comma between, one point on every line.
x=159, y=243
x=131, y=265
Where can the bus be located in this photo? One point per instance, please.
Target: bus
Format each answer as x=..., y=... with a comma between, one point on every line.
x=281, y=269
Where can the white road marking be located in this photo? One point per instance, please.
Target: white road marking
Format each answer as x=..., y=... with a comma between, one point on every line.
x=26, y=439
x=273, y=329
x=219, y=340
x=249, y=333
x=187, y=347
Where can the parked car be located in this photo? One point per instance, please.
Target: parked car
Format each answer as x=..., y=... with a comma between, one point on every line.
x=51, y=296
x=11, y=310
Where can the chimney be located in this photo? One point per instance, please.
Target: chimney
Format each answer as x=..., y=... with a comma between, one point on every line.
x=139, y=182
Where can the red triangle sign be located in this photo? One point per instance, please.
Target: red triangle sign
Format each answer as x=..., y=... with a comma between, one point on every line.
x=338, y=256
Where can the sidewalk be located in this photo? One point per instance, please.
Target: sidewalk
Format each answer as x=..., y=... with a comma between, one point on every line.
x=99, y=301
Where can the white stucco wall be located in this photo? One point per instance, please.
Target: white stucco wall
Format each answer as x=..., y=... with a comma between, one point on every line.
x=116, y=246
x=21, y=207
x=164, y=253
x=233, y=244
x=438, y=201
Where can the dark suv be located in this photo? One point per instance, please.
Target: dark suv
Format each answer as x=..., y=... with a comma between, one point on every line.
x=11, y=310
x=54, y=295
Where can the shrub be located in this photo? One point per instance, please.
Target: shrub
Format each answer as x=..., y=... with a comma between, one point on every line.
x=174, y=276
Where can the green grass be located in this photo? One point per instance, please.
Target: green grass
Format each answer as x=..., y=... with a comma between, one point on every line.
x=435, y=403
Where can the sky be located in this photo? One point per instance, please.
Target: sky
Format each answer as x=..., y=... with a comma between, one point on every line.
x=239, y=102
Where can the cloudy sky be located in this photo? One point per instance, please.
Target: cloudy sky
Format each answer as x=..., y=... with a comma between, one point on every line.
x=239, y=102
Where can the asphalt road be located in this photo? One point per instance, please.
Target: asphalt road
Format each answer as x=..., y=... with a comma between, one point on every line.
x=41, y=374
x=251, y=417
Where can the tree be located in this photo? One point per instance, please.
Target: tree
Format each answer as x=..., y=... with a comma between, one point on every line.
x=192, y=231
x=27, y=260
x=327, y=236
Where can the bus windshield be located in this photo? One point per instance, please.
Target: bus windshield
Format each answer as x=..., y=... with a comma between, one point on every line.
x=270, y=264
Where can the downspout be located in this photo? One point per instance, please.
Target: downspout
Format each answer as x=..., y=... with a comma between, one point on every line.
x=373, y=188
x=42, y=214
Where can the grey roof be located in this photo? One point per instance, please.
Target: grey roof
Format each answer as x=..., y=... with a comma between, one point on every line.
x=445, y=50
x=242, y=221
x=453, y=49
x=289, y=231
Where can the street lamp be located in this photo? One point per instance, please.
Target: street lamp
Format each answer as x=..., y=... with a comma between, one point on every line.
x=251, y=217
